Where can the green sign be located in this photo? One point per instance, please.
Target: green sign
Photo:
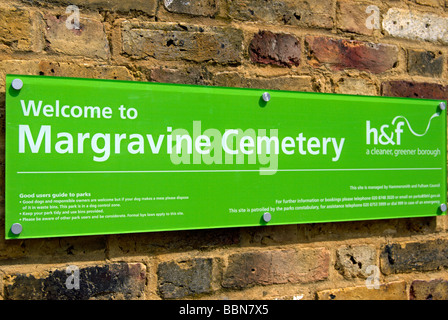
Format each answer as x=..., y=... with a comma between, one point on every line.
x=87, y=157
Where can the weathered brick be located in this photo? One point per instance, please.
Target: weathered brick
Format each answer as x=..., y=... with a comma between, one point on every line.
x=289, y=83
x=69, y=69
x=2, y=297
x=355, y=86
x=5, y=49
x=353, y=261
x=25, y=67
x=190, y=75
x=388, y=291
x=178, y=279
x=169, y=41
x=154, y=242
x=92, y=248
x=62, y=69
x=110, y=281
x=289, y=12
x=88, y=41
x=433, y=3
x=429, y=290
x=45, y=251
x=269, y=235
x=21, y=29
x=2, y=154
x=425, y=63
x=276, y=266
x=207, y=8
x=423, y=90
x=414, y=256
x=147, y=6
x=441, y=223
x=342, y=54
x=414, y=25
x=275, y=48
x=352, y=17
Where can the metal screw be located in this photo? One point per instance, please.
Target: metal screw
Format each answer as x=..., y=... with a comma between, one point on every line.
x=16, y=228
x=442, y=105
x=443, y=207
x=17, y=84
x=266, y=96
x=267, y=217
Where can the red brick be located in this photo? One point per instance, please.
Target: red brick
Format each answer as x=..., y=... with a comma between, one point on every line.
x=342, y=54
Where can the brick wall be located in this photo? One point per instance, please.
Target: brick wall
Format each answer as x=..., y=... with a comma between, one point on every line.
x=390, y=48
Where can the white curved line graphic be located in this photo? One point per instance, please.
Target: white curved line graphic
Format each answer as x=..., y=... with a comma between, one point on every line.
x=409, y=126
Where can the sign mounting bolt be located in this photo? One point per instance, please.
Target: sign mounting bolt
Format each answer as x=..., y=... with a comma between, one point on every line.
x=17, y=84
x=442, y=105
x=16, y=228
x=443, y=207
x=267, y=217
x=266, y=97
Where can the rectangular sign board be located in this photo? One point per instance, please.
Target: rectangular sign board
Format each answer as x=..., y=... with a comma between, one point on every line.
x=88, y=157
